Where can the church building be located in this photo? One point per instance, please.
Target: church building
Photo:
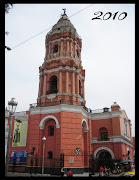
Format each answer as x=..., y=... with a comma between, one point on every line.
x=61, y=116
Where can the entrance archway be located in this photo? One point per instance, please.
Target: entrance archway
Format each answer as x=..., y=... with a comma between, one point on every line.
x=104, y=159
x=104, y=156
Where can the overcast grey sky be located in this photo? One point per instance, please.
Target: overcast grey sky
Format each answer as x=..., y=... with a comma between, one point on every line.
x=108, y=53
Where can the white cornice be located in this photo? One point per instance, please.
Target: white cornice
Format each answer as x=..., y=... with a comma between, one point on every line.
x=61, y=52
x=56, y=109
x=62, y=94
x=62, y=57
x=105, y=115
x=76, y=109
x=63, y=39
x=63, y=68
x=113, y=139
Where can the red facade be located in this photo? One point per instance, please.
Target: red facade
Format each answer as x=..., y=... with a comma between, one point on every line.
x=60, y=113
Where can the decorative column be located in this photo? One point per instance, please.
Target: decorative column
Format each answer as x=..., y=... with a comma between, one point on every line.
x=60, y=81
x=39, y=86
x=67, y=81
x=73, y=82
x=44, y=84
x=77, y=83
x=83, y=88
x=74, y=49
x=61, y=45
x=67, y=45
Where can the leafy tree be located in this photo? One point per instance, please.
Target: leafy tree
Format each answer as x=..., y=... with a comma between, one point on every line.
x=8, y=7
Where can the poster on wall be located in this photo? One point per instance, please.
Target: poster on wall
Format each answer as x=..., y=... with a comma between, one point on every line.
x=18, y=158
x=20, y=131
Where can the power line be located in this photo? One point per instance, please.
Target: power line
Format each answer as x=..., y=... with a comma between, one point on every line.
x=46, y=29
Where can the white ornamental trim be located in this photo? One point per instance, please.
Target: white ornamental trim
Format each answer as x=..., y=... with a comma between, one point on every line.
x=63, y=39
x=61, y=57
x=46, y=118
x=62, y=68
x=104, y=148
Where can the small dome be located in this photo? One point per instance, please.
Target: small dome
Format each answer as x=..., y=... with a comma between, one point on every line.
x=63, y=22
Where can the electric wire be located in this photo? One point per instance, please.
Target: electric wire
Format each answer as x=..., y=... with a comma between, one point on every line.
x=46, y=29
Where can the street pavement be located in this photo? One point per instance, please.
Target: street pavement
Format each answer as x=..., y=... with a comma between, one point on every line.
x=16, y=174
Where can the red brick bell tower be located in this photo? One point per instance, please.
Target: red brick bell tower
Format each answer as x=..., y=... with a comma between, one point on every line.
x=61, y=74
x=59, y=113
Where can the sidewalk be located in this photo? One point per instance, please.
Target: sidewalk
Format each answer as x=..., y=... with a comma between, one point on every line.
x=16, y=174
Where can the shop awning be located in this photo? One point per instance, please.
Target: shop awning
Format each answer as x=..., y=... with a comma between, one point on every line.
x=126, y=161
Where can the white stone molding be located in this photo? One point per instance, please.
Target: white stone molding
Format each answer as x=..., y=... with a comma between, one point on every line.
x=85, y=128
x=46, y=118
x=62, y=94
x=113, y=139
x=106, y=115
x=62, y=68
x=103, y=149
x=51, y=96
x=57, y=40
x=61, y=57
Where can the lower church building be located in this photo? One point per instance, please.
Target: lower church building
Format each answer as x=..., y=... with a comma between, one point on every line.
x=59, y=130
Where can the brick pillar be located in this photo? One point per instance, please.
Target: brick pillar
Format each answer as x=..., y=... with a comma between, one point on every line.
x=67, y=45
x=49, y=51
x=77, y=83
x=39, y=86
x=60, y=81
x=83, y=89
x=44, y=84
x=73, y=82
x=61, y=45
x=67, y=81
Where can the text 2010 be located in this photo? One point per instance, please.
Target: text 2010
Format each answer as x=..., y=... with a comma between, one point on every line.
x=109, y=15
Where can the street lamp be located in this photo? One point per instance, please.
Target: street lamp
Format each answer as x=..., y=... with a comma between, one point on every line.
x=11, y=107
x=43, y=139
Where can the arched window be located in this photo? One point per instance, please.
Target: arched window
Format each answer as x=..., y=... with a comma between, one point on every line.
x=51, y=131
x=77, y=52
x=103, y=133
x=52, y=85
x=55, y=50
x=80, y=89
x=50, y=155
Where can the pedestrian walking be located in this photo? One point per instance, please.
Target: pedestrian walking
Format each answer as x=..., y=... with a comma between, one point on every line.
x=101, y=171
x=69, y=173
x=14, y=163
x=108, y=170
x=126, y=167
x=62, y=172
x=105, y=171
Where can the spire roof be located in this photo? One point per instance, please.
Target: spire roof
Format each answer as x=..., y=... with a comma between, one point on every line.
x=63, y=22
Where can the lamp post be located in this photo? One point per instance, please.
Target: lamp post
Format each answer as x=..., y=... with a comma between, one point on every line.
x=11, y=107
x=43, y=139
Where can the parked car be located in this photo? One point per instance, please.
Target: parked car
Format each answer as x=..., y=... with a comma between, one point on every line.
x=128, y=174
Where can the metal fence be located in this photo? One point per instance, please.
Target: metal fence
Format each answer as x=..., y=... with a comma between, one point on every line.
x=54, y=165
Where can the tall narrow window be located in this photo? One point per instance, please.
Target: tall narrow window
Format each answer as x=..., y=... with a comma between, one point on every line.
x=51, y=131
x=50, y=155
x=53, y=83
x=80, y=89
x=55, y=50
x=103, y=134
x=77, y=53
